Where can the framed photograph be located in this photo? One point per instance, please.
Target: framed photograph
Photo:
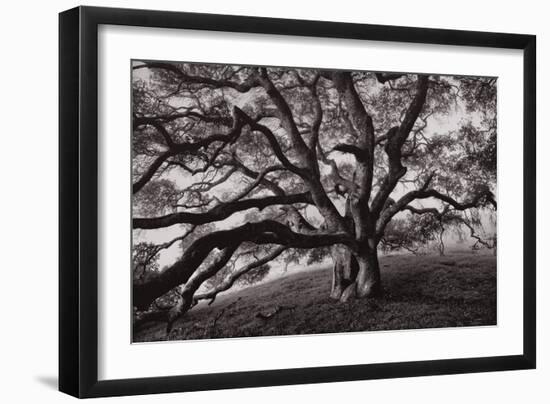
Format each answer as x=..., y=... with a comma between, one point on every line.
x=251, y=201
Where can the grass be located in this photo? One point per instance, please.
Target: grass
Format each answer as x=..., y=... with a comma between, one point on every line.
x=419, y=292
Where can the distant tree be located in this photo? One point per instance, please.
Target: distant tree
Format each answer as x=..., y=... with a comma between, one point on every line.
x=301, y=164
x=416, y=233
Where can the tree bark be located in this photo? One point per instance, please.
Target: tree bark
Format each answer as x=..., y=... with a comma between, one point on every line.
x=368, y=282
x=355, y=275
x=263, y=232
x=344, y=270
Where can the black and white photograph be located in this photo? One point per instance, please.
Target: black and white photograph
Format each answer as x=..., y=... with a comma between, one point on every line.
x=270, y=201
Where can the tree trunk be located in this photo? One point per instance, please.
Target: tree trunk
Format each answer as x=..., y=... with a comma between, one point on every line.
x=344, y=270
x=354, y=275
x=441, y=246
x=368, y=278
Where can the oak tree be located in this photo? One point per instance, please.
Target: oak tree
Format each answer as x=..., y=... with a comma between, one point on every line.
x=254, y=164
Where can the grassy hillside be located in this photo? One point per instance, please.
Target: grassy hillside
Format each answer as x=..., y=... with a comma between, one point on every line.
x=420, y=292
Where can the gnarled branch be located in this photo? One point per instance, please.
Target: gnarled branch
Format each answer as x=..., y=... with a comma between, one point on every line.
x=395, y=138
x=243, y=87
x=385, y=77
x=228, y=282
x=482, y=198
x=263, y=232
x=219, y=212
x=189, y=147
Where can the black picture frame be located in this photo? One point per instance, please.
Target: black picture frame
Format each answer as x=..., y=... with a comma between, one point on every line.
x=78, y=201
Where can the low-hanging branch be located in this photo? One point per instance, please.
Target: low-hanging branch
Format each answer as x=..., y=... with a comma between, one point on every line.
x=188, y=298
x=473, y=234
x=263, y=232
x=228, y=282
x=484, y=197
x=219, y=212
x=170, y=315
